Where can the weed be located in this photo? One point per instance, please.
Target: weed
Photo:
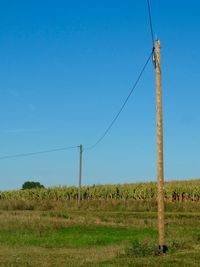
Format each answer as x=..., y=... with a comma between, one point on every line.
x=140, y=249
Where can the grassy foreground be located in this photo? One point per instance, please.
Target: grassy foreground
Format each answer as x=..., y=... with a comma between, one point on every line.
x=101, y=235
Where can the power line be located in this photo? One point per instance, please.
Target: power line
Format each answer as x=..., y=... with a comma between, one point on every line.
x=115, y=118
x=150, y=22
x=37, y=153
x=123, y=105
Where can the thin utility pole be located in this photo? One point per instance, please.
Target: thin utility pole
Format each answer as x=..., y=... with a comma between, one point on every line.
x=160, y=162
x=80, y=175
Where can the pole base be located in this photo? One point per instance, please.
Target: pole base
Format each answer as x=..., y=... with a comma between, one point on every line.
x=163, y=249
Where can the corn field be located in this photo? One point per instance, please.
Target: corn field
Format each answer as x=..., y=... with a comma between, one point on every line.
x=174, y=191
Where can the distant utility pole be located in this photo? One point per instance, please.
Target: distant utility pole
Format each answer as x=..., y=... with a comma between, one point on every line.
x=160, y=163
x=80, y=175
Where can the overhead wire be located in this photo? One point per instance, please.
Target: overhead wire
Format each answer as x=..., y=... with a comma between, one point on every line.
x=123, y=105
x=37, y=152
x=117, y=115
x=141, y=73
x=152, y=33
x=150, y=22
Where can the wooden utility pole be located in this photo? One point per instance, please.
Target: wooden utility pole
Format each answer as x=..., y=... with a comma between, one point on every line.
x=80, y=175
x=160, y=163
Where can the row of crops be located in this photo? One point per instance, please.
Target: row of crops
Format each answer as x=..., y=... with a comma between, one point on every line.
x=174, y=191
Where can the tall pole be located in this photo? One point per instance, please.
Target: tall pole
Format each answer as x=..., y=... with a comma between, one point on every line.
x=160, y=163
x=80, y=175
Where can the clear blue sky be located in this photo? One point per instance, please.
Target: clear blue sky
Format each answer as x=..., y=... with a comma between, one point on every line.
x=66, y=67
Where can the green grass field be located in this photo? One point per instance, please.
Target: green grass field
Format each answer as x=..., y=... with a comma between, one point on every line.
x=103, y=235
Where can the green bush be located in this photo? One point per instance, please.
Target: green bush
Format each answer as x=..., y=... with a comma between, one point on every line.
x=141, y=249
x=31, y=185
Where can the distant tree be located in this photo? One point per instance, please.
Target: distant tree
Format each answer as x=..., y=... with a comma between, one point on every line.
x=31, y=185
